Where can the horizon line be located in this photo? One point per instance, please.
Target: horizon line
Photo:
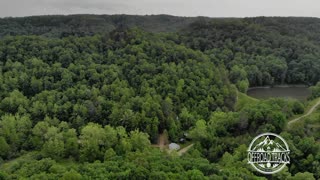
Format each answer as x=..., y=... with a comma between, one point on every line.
x=118, y=14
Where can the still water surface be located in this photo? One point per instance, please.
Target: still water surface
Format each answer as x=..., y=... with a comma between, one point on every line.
x=300, y=93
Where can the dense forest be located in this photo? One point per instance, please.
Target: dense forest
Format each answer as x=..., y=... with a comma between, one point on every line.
x=86, y=97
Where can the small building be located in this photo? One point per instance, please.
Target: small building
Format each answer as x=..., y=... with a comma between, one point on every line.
x=174, y=146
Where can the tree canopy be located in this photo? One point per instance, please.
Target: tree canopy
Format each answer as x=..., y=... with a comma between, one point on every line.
x=86, y=97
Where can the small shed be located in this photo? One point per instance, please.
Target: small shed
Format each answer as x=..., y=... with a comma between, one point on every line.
x=174, y=146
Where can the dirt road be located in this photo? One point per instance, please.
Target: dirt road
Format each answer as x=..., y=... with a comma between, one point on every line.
x=184, y=150
x=307, y=114
x=161, y=141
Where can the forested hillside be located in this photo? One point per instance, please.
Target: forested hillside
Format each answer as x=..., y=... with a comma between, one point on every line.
x=269, y=50
x=84, y=96
x=84, y=25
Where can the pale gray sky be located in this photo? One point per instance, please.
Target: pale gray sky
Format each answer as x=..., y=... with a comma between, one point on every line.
x=212, y=8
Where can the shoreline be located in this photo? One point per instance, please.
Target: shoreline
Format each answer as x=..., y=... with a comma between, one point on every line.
x=279, y=86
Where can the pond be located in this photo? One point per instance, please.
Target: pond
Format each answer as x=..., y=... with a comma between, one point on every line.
x=300, y=93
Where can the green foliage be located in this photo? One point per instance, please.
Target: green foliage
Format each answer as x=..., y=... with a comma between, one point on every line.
x=139, y=140
x=15, y=102
x=305, y=175
x=71, y=175
x=54, y=148
x=88, y=99
x=267, y=52
x=109, y=154
x=237, y=74
x=298, y=108
x=244, y=100
x=200, y=131
x=50, y=26
x=15, y=131
x=315, y=91
x=4, y=148
x=92, y=139
x=243, y=86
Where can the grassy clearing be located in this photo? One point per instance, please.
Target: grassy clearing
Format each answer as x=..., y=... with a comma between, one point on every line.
x=311, y=103
x=244, y=99
x=308, y=106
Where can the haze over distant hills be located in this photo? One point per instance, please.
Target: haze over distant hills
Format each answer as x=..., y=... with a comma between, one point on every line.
x=81, y=25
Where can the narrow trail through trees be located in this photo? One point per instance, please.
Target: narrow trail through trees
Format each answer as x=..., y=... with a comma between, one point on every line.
x=307, y=114
x=184, y=150
x=161, y=142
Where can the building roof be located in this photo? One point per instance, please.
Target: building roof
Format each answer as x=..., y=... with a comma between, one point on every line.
x=174, y=146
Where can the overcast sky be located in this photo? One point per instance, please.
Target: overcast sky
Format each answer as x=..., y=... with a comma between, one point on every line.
x=212, y=8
